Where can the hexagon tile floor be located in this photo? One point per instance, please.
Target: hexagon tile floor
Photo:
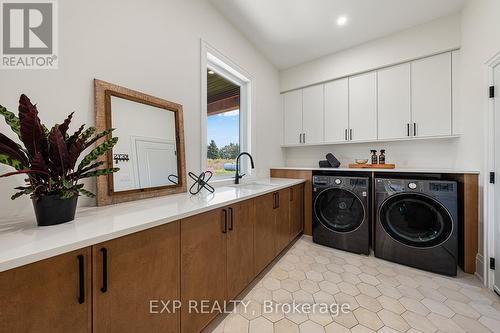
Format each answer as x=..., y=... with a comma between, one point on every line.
x=383, y=297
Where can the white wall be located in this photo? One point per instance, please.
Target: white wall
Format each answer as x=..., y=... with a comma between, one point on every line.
x=434, y=37
x=151, y=46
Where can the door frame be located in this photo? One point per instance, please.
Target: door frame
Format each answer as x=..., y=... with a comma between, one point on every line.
x=489, y=166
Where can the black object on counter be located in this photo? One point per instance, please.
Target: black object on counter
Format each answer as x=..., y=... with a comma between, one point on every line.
x=330, y=162
x=51, y=209
x=201, y=182
x=334, y=162
x=381, y=158
x=324, y=164
x=374, y=156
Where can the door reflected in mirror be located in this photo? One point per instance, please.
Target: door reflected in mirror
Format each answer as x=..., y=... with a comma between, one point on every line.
x=146, y=152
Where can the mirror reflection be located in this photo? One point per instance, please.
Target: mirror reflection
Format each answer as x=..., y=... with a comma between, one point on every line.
x=146, y=151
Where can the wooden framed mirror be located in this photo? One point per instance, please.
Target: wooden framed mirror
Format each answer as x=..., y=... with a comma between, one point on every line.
x=150, y=148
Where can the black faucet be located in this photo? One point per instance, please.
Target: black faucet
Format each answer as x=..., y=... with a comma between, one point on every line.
x=237, y=177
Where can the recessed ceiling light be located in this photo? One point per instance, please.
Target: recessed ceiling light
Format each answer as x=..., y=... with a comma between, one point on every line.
x=211, y=72
x=342, y=20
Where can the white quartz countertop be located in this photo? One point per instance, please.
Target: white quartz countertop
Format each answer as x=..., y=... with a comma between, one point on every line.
x=23, y=242
x=396, y=170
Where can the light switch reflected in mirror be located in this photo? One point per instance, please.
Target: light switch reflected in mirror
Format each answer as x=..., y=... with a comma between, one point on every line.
x=146, y=151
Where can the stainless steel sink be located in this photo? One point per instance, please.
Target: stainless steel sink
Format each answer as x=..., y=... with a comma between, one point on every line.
x=253, y=186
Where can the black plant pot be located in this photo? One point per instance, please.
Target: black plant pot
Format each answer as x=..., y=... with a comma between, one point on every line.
x=52, y=210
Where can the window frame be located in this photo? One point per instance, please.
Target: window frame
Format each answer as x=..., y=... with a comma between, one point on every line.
x=214, y=60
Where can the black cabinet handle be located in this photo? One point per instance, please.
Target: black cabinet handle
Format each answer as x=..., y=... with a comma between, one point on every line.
x=104, y=253
x=278, y=200
x=224, y=221
x=230, y=218
x=81, y=279
x=408, y=129
x=350, y=134
x=274, y=201
x=414, y=129
x=346, y=138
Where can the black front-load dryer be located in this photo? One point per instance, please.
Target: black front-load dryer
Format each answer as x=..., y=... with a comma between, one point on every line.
x=416, y=223
x=341, y=214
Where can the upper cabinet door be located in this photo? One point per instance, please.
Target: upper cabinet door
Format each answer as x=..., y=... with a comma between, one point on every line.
x=363, y=107
x=336, y=110
x=394, y=102
x=431, y=95
x=292, y=115
x=313, y=114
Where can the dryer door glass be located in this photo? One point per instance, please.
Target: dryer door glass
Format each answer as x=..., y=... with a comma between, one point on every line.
x=416, y=220
x=339, y=210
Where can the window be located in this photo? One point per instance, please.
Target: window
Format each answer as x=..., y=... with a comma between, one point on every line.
x=226, y=91
x=223, y=124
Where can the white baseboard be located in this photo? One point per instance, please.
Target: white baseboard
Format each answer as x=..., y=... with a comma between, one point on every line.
x=480, y=268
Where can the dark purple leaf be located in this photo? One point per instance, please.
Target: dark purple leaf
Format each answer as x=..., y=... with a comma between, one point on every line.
x=38, y=163
x=15, y=150
x=22, y=172
x=59, y=155
x=32, y=133
x=65, y=125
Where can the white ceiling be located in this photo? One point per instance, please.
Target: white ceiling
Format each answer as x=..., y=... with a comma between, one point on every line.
x=290, y=32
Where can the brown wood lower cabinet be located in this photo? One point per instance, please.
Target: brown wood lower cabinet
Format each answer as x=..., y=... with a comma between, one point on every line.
x=132, y=275
x=121, y=285
x=203, y=266
x=52, y=295
x=282, y=220
x=296, y=210
x=240, y=237
x=264, y=245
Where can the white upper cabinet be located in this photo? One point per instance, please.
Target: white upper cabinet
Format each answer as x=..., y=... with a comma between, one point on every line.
x=413, y=99
x=394, y=102
x=313, y=114
x=292, y=117
x=431, y=96
x=336, y=110
x=363, y=107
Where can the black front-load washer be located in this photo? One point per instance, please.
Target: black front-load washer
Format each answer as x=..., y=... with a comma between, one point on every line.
x=416, y=223
x=341, y=214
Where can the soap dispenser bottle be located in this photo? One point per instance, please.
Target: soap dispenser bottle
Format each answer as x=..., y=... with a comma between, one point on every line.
x=374, y=157
x=381, y=158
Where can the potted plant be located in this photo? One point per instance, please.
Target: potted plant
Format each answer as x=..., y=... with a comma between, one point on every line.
x=49, y=158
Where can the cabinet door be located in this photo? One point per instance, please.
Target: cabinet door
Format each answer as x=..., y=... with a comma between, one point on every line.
x=431, y=95
x=52, y=295
x=282, y=211
x=394, y=102
x=313, y=114
x=336, y=110
x=292, y=117
x=296, y=211
x=240, y=254
x=264, y=231
x=129, y=273
x=363, y=107
x=203, y=266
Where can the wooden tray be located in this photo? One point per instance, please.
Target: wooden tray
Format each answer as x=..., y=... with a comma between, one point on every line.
x=372, y=166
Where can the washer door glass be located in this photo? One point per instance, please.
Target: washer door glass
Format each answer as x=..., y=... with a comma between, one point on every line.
x=416, y=220
x=339, y=210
